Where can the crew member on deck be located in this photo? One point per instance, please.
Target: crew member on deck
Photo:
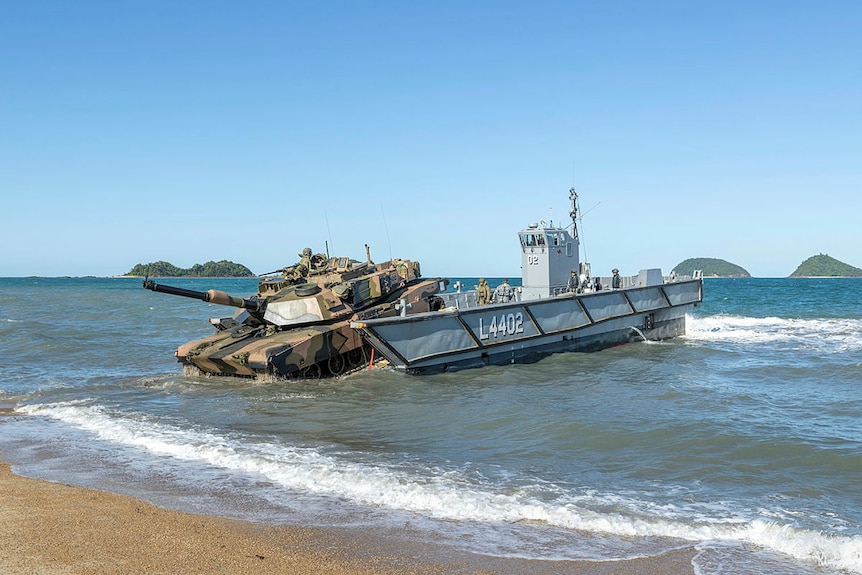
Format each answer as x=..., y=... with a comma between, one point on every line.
x=572, y=285
x=616, y=281
x=483, y=292
x=504, y=293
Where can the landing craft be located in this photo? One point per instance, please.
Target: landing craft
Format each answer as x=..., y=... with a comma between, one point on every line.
x=559, y=307
x=298, y=324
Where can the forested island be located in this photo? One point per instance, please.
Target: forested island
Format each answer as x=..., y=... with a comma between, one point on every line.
x=711, y=267
x=824, y=266
x=816, y=266
x=820, y=265
x=221, y=269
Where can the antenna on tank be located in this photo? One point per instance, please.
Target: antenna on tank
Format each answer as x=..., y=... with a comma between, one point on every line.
x=386, y=228
x=328, y=232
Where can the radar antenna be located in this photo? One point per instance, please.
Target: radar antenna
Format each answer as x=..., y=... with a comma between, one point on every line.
x=573, y=197
x=577, y=214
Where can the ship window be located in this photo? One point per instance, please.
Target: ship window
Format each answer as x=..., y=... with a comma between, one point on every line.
x=532, y=240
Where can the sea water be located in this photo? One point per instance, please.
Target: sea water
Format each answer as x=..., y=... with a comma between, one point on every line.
x=742, y=439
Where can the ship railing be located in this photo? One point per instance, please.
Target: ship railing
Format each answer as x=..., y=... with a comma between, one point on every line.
x=460, y=300
x=698, y=274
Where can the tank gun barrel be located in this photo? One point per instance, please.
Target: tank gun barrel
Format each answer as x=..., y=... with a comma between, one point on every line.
x=212, y=296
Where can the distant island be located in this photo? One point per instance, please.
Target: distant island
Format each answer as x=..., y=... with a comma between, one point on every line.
x=816, y=266
x=824, y=266
x=820, y=265
x=711, y=267
x=222, y=269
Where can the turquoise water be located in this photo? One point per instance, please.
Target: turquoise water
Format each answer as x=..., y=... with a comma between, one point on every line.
x=742, y=439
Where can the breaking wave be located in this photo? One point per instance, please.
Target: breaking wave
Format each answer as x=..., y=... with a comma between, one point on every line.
x=829, y=335
x=452, y=495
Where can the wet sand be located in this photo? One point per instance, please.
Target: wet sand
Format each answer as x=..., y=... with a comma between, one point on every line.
x=51, y=529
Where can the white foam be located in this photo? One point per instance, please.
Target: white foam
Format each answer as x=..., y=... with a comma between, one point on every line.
x=449, y=495
x=829, y=335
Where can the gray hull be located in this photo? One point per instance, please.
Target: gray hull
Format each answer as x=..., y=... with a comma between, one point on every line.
x=525, y=331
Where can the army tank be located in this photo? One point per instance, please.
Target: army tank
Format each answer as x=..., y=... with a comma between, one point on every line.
x=298, y=324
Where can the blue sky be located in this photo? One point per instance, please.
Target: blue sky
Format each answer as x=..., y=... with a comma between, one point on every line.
x=192, y=131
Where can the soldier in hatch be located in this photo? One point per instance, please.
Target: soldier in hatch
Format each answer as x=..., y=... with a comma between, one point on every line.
x=305, y=258
x=301, y=269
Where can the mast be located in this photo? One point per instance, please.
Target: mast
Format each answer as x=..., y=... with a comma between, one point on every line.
x=573, y=197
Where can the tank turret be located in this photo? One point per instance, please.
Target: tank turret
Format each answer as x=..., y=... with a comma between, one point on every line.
x=298, y=324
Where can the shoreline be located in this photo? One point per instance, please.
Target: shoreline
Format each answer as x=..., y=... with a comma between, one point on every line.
x=51, y=528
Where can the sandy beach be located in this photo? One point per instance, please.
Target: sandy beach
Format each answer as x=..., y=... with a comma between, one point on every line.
x=49, y=528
